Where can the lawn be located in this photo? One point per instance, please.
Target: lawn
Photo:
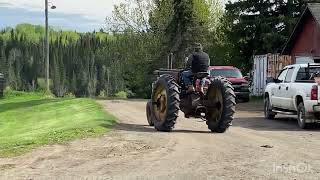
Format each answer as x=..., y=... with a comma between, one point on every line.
x=28, y=120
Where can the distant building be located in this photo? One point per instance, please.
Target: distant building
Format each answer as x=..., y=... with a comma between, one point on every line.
x=304, y=43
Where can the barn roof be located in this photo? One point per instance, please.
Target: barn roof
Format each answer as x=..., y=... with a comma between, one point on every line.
x=315, y=11
x=312, y=9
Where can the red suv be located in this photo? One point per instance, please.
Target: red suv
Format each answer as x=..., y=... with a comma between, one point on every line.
x=234, y=75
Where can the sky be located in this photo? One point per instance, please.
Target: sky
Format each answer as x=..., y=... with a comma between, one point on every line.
x=79, y=15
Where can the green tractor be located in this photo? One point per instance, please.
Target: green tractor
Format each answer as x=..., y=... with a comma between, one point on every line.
x=212, y=101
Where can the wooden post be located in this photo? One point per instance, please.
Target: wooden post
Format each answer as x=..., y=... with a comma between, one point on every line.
x=168, y=63
x=108, y=79
x=170, y=60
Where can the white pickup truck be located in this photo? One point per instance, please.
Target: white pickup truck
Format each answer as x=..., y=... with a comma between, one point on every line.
x=294, y=92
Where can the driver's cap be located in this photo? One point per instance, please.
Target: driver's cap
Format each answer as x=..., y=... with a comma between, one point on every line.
x=198, y=47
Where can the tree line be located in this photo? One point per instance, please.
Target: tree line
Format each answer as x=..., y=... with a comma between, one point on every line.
x=138, y=38
x=88, y=64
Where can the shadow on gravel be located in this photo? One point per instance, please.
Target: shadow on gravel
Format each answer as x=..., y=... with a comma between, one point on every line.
x=133, y=127
x=151, y=129
x=278, y=124
x=250, y=107
x=191, y=131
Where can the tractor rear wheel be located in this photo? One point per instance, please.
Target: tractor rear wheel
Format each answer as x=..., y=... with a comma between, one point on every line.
x=221, y=94
x=149, y=113
x=165, y=103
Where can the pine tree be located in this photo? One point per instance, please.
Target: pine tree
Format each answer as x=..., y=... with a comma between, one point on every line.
x=189, y=24
x=259, y=27
x=3, y=60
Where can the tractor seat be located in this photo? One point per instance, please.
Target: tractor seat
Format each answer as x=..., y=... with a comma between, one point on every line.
x=201, y=75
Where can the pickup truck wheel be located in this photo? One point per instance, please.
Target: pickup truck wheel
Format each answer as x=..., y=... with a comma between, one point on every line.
x=268, y=114
x=302, y=116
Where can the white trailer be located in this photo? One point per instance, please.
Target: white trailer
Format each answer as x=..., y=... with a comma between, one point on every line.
x=259, y=75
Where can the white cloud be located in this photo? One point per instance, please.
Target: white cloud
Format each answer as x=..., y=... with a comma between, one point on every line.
x=95, y=10
x=92, y=9
x=83, y=15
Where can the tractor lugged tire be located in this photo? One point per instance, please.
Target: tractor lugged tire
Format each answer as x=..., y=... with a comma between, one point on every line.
x=149, y=113
x=221, y=123
x=172, y=102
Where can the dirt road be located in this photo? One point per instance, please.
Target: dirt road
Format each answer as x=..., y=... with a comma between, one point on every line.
x=136, y=151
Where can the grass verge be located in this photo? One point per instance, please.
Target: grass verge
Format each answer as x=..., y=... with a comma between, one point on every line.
x=29, y=120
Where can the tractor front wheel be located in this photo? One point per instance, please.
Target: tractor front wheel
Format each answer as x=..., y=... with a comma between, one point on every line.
x=221, y=94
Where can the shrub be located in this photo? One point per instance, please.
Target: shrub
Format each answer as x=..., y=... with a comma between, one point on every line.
x=70, y=95
x=42, y=85
x=8, y=92
x=103, y=94
x=122, y=95
x=48, y=95
x=130, y=93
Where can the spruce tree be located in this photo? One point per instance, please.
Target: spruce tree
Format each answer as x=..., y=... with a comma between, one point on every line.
x=189, y=24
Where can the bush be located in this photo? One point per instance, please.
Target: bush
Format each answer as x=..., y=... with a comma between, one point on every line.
x=8, y=92
x=42, y=85
x=48, y=95
x=70, y=95
x=103, y=94
x=130, y=93
x=122, y=95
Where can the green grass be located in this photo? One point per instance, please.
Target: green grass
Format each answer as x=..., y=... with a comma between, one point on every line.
x=28, y=120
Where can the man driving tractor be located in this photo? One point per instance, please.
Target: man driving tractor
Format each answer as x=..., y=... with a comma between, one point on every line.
x=198, y=61
x=212, y=99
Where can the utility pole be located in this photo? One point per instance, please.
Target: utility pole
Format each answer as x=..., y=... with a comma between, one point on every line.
x=47, y=43
x=47, y=47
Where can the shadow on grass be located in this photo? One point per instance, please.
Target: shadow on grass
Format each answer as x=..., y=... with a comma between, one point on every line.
x=107, y=123
x=25, y=104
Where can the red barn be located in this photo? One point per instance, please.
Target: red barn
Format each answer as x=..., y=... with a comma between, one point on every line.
x=304, y=42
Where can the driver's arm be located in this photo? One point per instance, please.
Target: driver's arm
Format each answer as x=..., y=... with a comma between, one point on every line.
x=189, y=62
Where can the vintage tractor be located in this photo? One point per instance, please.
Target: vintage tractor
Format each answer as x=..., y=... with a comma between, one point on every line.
x=213, y=101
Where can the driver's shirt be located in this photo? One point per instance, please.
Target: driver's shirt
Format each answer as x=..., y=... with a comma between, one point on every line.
x=198, y=62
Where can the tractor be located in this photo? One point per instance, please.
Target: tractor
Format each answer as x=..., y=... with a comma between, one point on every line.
x=212, y=101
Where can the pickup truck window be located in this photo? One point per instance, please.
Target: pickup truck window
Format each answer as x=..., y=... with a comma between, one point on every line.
x=228, y=73
x=282, y=75
x=289, y=75
x=303, y=73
